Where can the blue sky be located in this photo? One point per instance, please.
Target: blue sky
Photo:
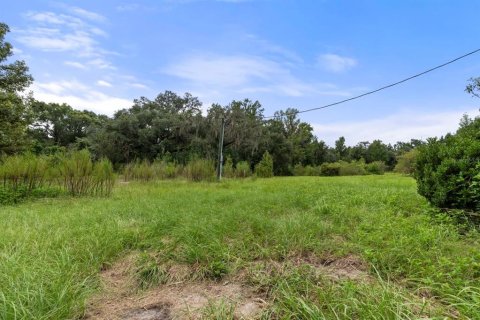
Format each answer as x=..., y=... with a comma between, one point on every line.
x=100, y=55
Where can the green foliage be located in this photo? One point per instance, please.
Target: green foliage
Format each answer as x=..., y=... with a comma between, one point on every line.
x=28, y=175
x=406, y=162
x=376, y=167
x=25, y=171
x=228, y=170
x=14, y=113
x=200, y=170
x=352, y=168
x=140, y=170
x=9, y=196
x=242, y=170
x=448, y=170
x=473, y=87
x=80, y=176
x=341, y=168
x=330, y=169
x=308, y=170
x=149, y=272
x=216, y=270
x=264, y=168
x=103, y=178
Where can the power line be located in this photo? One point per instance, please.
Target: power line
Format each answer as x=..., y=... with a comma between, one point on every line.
x=382, y=88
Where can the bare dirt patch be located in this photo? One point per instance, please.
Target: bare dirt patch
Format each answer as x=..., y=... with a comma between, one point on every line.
x=349, y=267
x=120, y=298
x=182, y=297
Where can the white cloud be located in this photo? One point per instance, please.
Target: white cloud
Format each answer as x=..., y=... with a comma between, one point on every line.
x=103, y=83
x=225, y=70
x=244, y=74
x=79, y=96
x=138, y=85
x=336, y=63
x=392, y=128
x=86, y=14
x=101, y=63
x=75, y=64
x=57, y=32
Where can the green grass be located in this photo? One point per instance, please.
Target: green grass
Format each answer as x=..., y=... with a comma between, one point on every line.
x=52, y=250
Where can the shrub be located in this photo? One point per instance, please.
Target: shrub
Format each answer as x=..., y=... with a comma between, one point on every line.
x=330, y=169
x=137, y=170
x=308, y=170
x=264, y=168
x=27, y=171
x=200, y=170
x=298, y=170
x=376, y=167
x=406, y=162
x=103, y=178
x=228, y=170
x=82, y=177
x=243, y=170
x=353, y=168
x=9, y=196
x=447, y=170
x=172, y=170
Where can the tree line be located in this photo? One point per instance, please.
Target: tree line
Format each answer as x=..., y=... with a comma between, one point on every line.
x=172, y=127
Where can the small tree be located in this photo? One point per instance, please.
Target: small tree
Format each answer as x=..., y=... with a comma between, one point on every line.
x=406, y=162
x=264, y=168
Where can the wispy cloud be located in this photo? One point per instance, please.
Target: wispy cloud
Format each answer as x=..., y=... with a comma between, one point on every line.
x=103, y=83
x=336, y=63
x=401, y=126
x=60, y=32
x=139, y=85
x=90, y=15
x=79, y=96
x=245, y=74
x=75, y=64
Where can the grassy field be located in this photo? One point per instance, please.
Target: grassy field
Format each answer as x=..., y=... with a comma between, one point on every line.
x=360, y=247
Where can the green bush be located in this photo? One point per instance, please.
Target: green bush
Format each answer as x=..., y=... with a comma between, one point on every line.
x=264, y=168
x=9, y=196
x=330, y=169
x=406, y=162
x=103, y=178
x=354, y=168
x=139, y=170
x=200, y=170
x=376, y=167
x=447, y=170
x=242, y=170
x=308, y=170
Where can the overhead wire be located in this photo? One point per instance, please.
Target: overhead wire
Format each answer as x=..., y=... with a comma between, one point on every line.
x=379, y=89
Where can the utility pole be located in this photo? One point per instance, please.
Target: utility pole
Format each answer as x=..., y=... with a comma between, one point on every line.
x=220, y=151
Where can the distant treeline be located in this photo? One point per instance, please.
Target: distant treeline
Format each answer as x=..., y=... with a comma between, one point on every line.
x=172, y=128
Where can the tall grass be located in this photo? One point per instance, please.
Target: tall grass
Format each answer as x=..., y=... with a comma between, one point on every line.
x=139, y=170
x=200, y=170
x=25, y=171
x=147, y=171
x=75, y=173
x=81, y=176
x=51, y=252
